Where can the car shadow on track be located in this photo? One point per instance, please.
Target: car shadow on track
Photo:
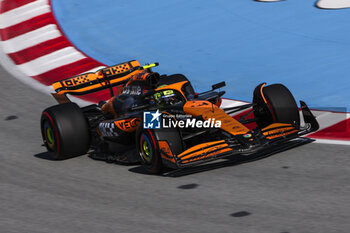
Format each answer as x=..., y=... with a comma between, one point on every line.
x=45, y=155
x=230, y=161
x=237, y=160
x=139, y=170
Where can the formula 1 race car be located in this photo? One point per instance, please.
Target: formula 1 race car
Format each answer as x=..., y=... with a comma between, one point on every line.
x=160, y=121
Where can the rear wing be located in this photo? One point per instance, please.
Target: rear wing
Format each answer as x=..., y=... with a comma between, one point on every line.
x=105, y=78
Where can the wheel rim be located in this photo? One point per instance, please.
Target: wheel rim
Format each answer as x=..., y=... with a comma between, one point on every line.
x=49, y=135
x=146, y=149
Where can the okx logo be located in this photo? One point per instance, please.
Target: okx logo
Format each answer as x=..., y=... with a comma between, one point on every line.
x=151, y=120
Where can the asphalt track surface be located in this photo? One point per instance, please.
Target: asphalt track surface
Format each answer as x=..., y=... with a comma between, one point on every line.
x=304, y=189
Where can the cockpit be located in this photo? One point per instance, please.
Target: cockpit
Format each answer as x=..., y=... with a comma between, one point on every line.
x=167, y=97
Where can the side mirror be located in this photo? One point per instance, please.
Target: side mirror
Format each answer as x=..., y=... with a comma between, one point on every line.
x=218, y=85
x=153, y=79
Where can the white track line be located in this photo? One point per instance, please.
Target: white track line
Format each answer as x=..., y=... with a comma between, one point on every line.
x=326, y=119
x=30, y=39
x=10, y=67
x=226, y=103
x=24, y=13
x=333, y=4
x=94, y=69
x=41, y=35
x=51, y=61
x=334, y=142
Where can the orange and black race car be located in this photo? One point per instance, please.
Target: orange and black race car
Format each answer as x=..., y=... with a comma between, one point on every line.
x=160, y=121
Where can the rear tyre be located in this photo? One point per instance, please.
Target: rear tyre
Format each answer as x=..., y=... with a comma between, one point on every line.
x=280, y=107
x=65, y=131
x=149, y=150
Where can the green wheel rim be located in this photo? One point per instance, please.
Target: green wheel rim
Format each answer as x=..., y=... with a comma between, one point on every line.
x=49, y=136
x=146, y=149
x=49, y=133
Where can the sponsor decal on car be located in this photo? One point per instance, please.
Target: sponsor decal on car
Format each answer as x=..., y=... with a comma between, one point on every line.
x=128, y=125
x=248, y=135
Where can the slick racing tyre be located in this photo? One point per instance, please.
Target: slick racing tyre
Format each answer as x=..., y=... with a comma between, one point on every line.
x=65, y=131
x=275, y=104
x=149, y=150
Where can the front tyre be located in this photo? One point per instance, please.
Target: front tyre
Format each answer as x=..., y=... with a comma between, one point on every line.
x=149, y=151
x=275, y=104
x=65, y=131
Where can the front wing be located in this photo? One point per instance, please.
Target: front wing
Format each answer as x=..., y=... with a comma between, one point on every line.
x=268, y=137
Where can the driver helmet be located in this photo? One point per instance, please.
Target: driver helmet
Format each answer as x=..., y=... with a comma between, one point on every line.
x=166, y=97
